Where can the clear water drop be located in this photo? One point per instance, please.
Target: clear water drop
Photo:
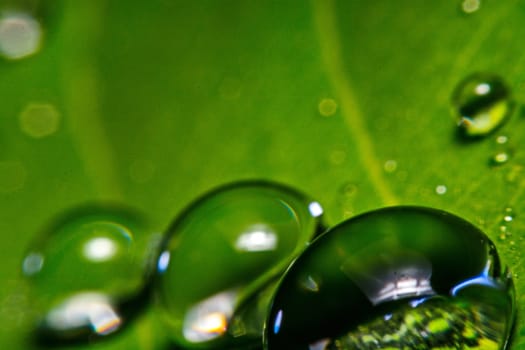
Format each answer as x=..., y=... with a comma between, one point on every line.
x=470, y=6
x=221, y=257
x=87, y=272
x=395, y=278
x=508, y=215
x=441, y=189
x=500, y=158
x=502, y=139
x=481, y=103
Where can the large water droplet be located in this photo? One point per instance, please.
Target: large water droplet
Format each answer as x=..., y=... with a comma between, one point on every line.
x=481, y=103
x=395, y=278
x=88, y=272
x=225, y=249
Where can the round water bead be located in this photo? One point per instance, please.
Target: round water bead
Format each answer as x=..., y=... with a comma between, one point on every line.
x=481, y=103
x=395, y=278
x=88, y=272
x=222, y=256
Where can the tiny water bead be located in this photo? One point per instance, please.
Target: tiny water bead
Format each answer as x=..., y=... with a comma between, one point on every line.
x=88, y=272
x=470, y=6
x=221, y=257
x=394, y=278
x=481, y=103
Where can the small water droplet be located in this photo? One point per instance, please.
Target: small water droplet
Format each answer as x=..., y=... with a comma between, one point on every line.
x=390, y=166
x=470, y=6
x=384, y=287
x=502, y=139
x=481, y=103
x=509, y=215
x=20, y=35
x=500, y=158
x=327, y=107
x=84, y=268
x=39, y=120
x=441, y=189
x=227, y=237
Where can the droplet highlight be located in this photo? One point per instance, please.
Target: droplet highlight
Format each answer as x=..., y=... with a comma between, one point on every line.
x=221, y=257
x=395, y=278
x=88, y=272
x=481, y=103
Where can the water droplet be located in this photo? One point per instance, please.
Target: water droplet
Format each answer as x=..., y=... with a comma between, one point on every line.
x=482, y=103
x=470, y=6
x=441, y=189
x=39, y=120
x=327, y=107
x=502, y=139
x=86, y=270
x=500, y=158
x=20, y=35
x=225, y=249
x=390, y=166
x=394, y=278
x=12, y=176
x=509, y=215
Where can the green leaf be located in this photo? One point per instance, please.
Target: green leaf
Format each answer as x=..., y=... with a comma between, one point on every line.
x=160, y=101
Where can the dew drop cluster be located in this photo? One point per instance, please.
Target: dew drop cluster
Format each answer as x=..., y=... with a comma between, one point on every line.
x=250, y=265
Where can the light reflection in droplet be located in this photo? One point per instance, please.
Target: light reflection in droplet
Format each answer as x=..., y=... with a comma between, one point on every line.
x=20, y=35
x=100, y=249
x=315, y=209
x=209, y=319
x=163, y=262
x=256, y=239
x=310, y=284
x=91, y=310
